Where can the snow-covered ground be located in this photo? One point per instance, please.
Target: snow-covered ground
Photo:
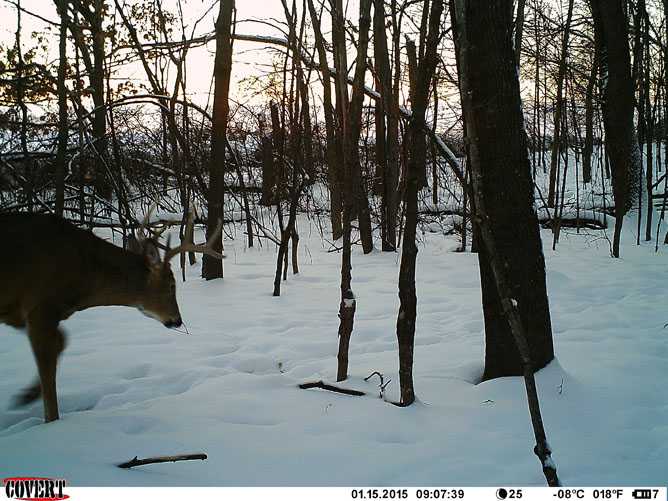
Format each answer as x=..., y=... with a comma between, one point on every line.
x=128, y=386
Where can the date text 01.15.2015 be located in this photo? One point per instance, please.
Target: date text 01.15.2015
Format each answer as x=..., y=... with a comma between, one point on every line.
x=404, y=494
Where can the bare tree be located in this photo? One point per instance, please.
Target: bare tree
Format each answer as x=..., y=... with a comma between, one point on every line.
x=387, y=130
x=559, y=108
x=511, y=258
x=332, y=146
x=212, y=267
x=505, y=188
x=618, y=102
x=93, y=12
x=422, y=72
x=63, y=130
x=519, y=28
x=350, y=117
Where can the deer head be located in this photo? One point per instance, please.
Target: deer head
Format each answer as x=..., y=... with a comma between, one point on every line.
x=159, y=298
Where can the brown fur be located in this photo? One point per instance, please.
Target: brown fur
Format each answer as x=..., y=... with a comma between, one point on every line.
x=49, y=269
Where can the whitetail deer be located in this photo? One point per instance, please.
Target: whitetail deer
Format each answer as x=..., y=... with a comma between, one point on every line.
x=50, y=269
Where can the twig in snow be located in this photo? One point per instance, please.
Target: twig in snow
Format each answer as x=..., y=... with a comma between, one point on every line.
x=161, y=459
x=382, y=385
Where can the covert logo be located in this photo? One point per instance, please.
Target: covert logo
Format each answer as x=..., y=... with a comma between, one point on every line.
x=34, y=488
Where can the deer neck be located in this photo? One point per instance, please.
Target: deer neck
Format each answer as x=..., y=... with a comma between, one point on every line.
x=118, y=279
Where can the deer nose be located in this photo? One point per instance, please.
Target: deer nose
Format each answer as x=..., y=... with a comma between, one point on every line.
x=173, y=323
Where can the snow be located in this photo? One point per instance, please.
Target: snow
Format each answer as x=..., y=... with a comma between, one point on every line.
x=129, y=387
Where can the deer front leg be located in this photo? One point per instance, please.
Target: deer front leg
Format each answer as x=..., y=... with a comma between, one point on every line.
x=47, y=342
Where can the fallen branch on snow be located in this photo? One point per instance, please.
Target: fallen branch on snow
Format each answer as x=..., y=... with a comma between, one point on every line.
x=324, y=386
x=162, y=459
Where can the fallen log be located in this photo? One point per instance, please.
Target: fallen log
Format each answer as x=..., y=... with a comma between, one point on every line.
x=572, y=222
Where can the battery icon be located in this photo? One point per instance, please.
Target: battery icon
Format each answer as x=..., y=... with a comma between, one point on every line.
x=642, y=494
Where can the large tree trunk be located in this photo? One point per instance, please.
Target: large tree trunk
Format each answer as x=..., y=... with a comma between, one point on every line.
x=212, y=267
x=621, y=143
x=511, y=259
x=506, y=188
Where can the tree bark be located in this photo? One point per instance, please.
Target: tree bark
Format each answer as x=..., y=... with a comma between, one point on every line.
x=649, y=126
x=21, y=102
x=501, y=175
x=95, y=65
x=511, y=254
x=350, y=115
x=97, y=79
x=588, y=148
x=333, y=172
x=611, y=33
x=390, y=109
x=211, y=267
x=422, y=73
x=519, y=28
x=556, y=141
x=61, y=152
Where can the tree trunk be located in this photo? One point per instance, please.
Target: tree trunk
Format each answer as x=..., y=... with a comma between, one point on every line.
x=390, y=161
x=506, y=191
x=556, y=142
x=29, y=183
x=361, y=200
x=588, y=148
x=268, y=171
x=519, y=28
x=649, y=127
x=61, y=152
x=333, y=172
x=611, y=31
x=102, y=181
x=350, y=116
x=422, y=73
x=511, y=258
x=212, y=267
x=381, y=156
x=434, y=163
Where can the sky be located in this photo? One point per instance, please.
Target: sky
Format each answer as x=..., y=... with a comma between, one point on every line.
x=253, y=17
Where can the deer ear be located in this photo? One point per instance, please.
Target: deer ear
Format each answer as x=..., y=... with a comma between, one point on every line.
x=151, y=253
